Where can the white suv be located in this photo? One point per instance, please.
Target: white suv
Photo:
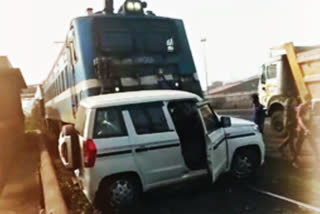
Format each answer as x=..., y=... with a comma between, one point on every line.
x=126, y=143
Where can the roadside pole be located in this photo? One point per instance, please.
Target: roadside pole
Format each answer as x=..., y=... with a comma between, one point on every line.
x=204, y=41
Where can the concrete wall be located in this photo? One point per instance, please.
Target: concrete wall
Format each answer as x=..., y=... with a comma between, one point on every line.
x=232, y=101
x=235, y=96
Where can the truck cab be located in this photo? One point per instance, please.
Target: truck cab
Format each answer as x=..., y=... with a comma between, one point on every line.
x=276, y=86
x=131, y=142
x=293, y=75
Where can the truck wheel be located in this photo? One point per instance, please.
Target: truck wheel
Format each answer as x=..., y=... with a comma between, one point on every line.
x=245, y=163
x=68, y=130
x=277, y=123
x=118, y=194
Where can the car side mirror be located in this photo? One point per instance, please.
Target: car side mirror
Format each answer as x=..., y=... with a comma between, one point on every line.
x=225, y=122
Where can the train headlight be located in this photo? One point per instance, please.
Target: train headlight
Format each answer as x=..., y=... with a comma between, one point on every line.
x=133, y=7
x=137, y=6
x=130, y=6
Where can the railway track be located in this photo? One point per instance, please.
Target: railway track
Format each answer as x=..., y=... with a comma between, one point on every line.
x=285, y=199
x=221, y=199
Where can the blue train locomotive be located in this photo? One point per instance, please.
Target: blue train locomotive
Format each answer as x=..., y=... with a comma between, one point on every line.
x=109, y=52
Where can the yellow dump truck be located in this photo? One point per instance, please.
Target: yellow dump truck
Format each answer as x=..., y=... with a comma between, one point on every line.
x=292, y=73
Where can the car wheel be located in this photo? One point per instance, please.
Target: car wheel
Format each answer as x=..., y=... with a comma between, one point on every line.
x=245, y=163
x=118, y=194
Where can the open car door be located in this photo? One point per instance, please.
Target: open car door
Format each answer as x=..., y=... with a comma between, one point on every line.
x=215, y=140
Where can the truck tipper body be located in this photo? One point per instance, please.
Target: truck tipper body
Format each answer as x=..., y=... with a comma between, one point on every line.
x=292, y=73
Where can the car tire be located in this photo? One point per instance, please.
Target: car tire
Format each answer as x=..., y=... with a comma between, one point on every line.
x=118, y=194
x=245, y=163
x=69, y=130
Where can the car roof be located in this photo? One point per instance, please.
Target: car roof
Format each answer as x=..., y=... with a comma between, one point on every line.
x=129, y=98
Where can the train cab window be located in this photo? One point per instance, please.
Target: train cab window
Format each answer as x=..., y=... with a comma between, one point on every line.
x=115, y=41
x=66, y=77
x=73, y=51
x=71, y=78
x=155, y=43
x=63, y=88
x=56, y=87
x=60, y=83
x=71, y=45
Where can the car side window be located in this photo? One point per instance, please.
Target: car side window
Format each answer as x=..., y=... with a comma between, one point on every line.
x=210, y=119
x=148, y=118
x=109, y=123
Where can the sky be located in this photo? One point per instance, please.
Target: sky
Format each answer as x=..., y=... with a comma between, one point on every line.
x=239, y=33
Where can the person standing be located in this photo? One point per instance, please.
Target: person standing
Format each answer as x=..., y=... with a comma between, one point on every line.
x=259, y=112
x=305, y=131
x=291, y=125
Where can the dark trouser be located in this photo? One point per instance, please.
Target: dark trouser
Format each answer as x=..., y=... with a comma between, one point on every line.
x=310, y=138
x=261, y=127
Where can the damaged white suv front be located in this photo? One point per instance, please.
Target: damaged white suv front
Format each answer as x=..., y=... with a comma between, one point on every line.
x=242, y=134
x=127, y=143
